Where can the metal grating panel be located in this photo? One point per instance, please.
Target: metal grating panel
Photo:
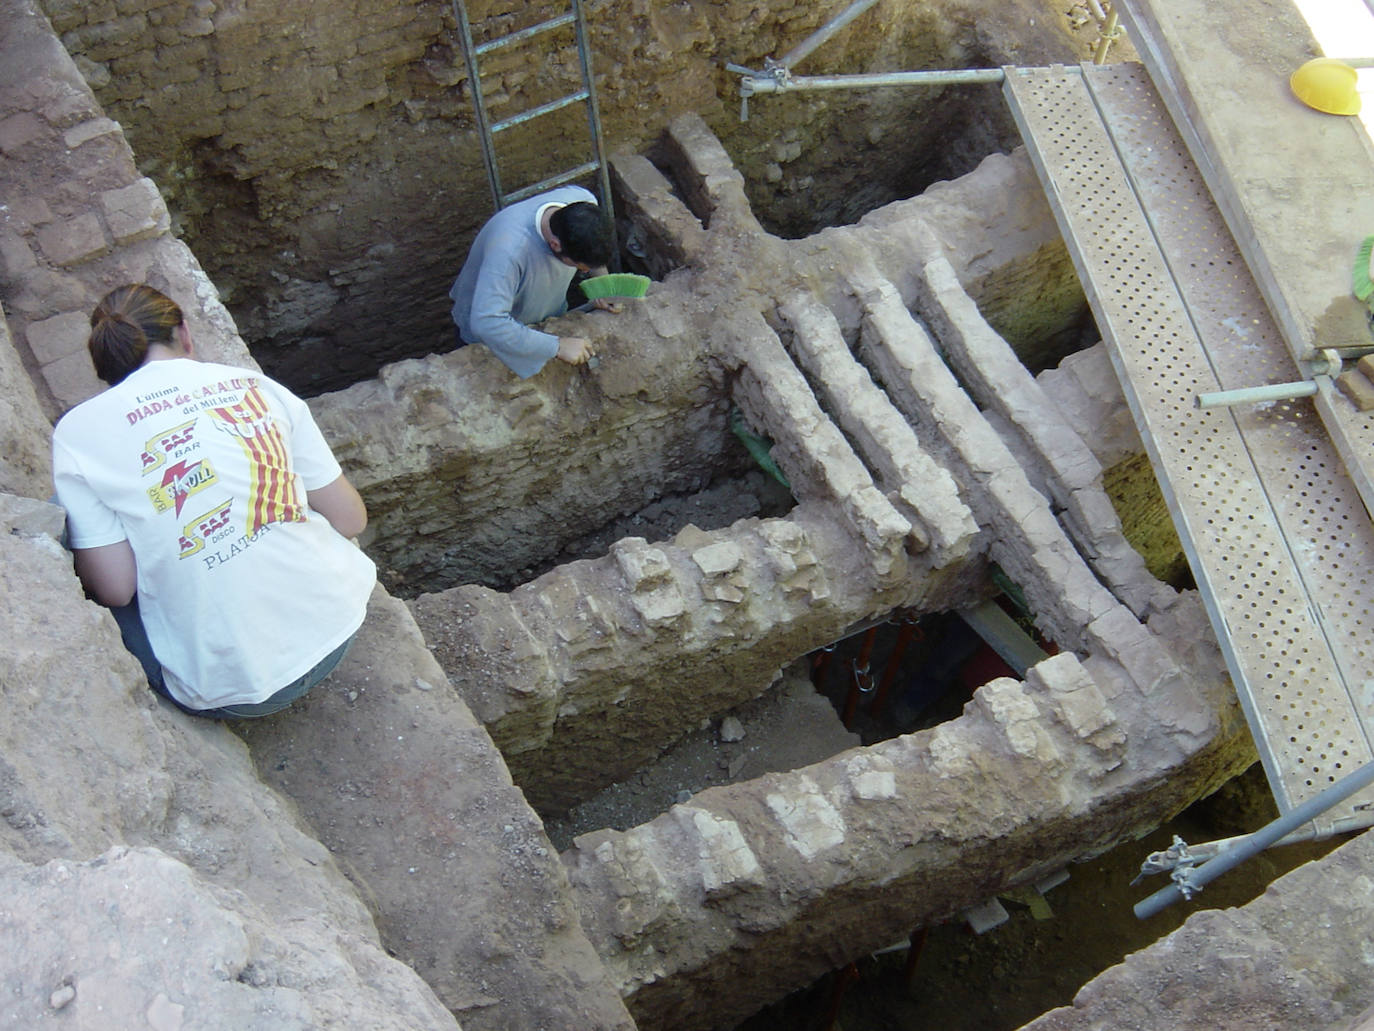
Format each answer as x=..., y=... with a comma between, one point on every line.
x=1258, y=496
x=1244, y=195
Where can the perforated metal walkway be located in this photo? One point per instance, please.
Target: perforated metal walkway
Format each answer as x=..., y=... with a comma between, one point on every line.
x=1274, y=529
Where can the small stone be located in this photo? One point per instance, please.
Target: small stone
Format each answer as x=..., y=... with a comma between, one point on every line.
x=1358, y=388
x=731, y=729
x=62, y=996
x=164, y=1014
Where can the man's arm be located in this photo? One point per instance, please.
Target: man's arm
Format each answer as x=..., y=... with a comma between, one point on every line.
x=523, y=349
x=340, y=503
x=108, y=573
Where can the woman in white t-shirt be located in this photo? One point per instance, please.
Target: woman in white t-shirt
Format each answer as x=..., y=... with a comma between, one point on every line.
x=205, y=508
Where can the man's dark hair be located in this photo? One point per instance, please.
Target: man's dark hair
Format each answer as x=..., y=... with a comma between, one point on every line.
x=584, y=234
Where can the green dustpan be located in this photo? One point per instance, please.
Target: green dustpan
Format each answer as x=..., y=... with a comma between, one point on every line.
x=617, y=284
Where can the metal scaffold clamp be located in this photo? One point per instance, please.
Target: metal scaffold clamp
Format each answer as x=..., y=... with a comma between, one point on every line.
x=746, y=87
x=777, y=71
x=1328, y=364
x=1179, y=861
x=776, y=76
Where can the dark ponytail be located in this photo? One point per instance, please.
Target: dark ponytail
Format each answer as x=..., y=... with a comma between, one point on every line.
x=126, y=322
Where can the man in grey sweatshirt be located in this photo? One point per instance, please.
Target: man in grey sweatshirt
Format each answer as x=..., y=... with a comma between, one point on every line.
x=518, y=271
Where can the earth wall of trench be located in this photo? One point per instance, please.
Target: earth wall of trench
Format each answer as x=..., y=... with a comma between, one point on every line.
x=322, y=160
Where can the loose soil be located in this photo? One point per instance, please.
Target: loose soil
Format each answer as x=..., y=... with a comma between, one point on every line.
x=785, y=728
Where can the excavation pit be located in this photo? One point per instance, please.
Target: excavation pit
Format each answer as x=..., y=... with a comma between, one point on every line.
x=332, y=206
x=887, y=360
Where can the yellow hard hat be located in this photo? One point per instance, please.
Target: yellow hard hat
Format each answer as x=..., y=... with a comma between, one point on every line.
x=1327, y=85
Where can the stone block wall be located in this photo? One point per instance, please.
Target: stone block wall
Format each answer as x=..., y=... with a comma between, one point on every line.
x=755, y=889
x=594, y=669
x=472, y=476
x=751, y=890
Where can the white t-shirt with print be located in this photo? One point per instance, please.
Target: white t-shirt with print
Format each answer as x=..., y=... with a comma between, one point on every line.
x=204, y=469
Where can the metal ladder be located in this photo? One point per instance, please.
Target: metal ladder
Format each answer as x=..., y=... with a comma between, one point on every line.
x=487, y=129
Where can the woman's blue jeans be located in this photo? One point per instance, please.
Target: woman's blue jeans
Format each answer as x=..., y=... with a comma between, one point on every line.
x=136, y=640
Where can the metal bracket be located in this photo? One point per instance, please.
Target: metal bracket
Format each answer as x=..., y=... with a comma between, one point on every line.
x=863, y=678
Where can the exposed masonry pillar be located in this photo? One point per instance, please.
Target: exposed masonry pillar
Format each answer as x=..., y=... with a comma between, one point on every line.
x=593, y=669
x=816, y=457
x=755, y=889
x=921, y=489
x=713, y=188
x=1055, y=458
x=1070, y=604
x=1060, y=462
x=1029, y=544
x=653, y=223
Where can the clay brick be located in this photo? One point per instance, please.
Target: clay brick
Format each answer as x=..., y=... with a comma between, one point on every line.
x=88, y=130
x=72, y=379
x=18, y=132
x=59, y=336
x=73, y=241
x=135, y=212
x=1356, y=386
